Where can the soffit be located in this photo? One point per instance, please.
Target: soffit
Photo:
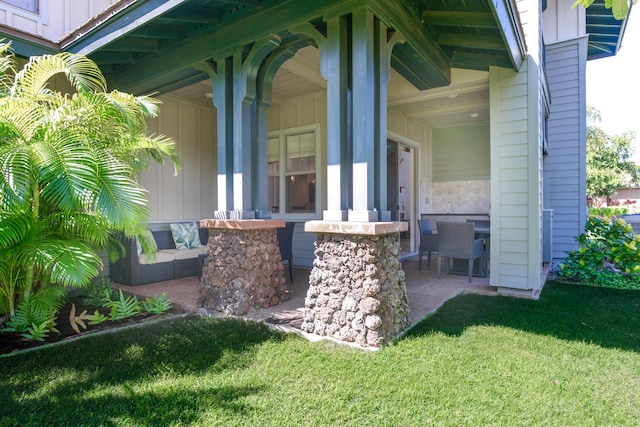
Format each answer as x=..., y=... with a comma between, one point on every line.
x=150, y=45
x=605, y=32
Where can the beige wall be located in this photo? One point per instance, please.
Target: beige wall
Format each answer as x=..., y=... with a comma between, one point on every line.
x=56, y=18
x=192, y=194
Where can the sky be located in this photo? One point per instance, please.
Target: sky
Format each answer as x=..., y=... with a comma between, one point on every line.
x=613, y=84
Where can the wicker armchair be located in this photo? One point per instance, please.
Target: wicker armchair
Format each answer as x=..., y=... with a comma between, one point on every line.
x=457, y=240
x=428, y=241
x=285, y=238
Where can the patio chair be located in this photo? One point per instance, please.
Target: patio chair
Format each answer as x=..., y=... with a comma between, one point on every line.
x=457, y=240
x=285, y=239
x=428, y=241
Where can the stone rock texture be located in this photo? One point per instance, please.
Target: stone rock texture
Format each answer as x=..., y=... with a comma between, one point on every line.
x=242, y=271
x=357, y=290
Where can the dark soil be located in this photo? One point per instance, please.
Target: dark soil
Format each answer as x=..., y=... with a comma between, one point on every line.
x=11, y=341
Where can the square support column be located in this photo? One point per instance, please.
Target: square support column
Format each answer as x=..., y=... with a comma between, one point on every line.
x=243, y=269
x=357, y=290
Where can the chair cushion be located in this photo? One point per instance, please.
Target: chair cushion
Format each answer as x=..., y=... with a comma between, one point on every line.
x=186, y=235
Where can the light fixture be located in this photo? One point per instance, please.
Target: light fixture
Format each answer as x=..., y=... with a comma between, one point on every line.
x=474, y=115
x=208, y=95
x=453, y=95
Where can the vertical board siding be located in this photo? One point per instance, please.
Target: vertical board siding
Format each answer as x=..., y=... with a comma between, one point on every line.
x=56, y=18
x=564, y=165
x=190, y=194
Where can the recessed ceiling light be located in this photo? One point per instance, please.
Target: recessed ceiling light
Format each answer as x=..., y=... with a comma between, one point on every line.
x=453, y=95
x=474, y=115
x=208, y=95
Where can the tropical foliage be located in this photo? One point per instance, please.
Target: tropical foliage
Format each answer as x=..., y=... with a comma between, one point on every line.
x=68, y=164
x=608, y=255
x=619, y=8
x=610, y=163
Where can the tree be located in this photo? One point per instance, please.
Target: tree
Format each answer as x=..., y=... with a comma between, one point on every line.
x=610, y=164
x=68, y=165
x=619, y=8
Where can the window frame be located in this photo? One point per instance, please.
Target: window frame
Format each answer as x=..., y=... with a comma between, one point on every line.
x=283, y=174
x=35, y=10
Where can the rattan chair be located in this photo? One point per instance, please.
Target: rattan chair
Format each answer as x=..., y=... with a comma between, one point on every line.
x=428, y=241
x=457, y=240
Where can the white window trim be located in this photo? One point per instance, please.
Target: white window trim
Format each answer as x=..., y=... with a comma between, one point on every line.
x=282, y=134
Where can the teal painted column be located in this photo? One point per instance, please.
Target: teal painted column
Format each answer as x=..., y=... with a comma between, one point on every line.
x=241, y=154
x=355, y=60
x=264, y=97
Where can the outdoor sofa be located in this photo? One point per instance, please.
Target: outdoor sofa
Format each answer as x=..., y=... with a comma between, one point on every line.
x=133, y=268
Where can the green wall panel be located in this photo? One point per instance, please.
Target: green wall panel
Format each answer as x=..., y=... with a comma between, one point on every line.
x=461, y=153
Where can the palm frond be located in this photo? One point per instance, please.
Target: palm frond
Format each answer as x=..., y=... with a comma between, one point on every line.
x=70, y=262
x=120, y=197
x=15, y=176
x=81, y=72
x=67, y=171
x=14, y=227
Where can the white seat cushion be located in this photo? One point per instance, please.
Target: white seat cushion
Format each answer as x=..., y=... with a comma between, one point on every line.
x=160, y=256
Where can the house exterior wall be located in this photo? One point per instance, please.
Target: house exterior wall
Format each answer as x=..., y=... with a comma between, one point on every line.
x=192, y=194
x=565, y=165
x=515, y=180
x=56, y=18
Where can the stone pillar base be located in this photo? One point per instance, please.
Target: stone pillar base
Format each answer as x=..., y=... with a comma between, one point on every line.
x=357, y=290
x=243, y=269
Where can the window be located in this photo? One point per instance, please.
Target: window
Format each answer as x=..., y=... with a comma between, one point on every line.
x=292, y=160
x=30, y=5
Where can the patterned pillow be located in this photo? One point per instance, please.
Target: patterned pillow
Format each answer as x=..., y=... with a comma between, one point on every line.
x=185, y=235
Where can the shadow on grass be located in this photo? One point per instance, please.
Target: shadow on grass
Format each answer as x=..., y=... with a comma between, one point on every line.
x=75, y=375
x=606, y=317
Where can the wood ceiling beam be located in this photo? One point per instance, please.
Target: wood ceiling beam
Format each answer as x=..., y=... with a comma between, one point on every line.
x=478, y=61
x=471, y=41
x=195, y=16
x=458, y=19
x=442, y=92
x=440, y=110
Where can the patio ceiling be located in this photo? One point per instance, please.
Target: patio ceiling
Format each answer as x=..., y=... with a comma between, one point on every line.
x=150, y=45
x=605, y=32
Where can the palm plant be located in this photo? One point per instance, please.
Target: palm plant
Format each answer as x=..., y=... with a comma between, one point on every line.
x=68, y=165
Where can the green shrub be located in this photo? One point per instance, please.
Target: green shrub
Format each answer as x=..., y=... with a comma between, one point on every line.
x=608, y=255
x=609, y=211
x=157, y=304
x=97, y=289
x=125, y=306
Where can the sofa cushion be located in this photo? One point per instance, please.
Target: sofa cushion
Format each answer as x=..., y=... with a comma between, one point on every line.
x=190, y=253
x=160, y=257
x=185, y=235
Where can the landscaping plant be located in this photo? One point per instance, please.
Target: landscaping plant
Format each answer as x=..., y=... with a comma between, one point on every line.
x=608, y=255
x=68, y=167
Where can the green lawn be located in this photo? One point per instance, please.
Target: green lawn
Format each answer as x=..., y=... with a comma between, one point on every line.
x=570, y=358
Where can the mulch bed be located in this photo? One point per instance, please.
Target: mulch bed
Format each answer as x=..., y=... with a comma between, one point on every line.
x=11, y=341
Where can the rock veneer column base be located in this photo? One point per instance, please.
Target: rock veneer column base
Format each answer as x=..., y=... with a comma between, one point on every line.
x=357, y=290
x=243, y=269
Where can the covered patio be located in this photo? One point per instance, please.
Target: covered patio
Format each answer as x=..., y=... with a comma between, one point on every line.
x=425, y=293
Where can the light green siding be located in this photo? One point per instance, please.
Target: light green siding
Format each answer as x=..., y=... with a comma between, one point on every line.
x=461, y=153
x=515, y=183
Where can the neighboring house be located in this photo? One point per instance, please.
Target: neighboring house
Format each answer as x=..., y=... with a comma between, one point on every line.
x=355, y=110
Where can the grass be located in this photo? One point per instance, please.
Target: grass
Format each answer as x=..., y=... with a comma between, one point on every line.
x=570, y=358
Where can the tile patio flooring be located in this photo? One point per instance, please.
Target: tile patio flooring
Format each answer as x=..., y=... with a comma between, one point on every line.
x=425, y=293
